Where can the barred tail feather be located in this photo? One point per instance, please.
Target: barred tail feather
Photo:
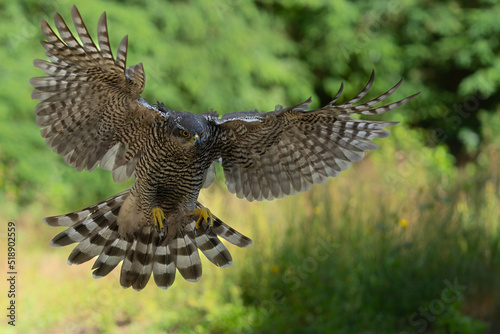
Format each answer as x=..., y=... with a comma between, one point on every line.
x=185, y=256
x=138, y=263
x=213, y=249
x=112, y=255
x=227, y=232
x=163, y=267
x=73, y=218
x=143, y=261
x=143, y=253
x=92, y=245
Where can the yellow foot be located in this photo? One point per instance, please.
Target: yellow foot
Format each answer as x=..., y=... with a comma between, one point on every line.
x=205, y=215
x=160, y=221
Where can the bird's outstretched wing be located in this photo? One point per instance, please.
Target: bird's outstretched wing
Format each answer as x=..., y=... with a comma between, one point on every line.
x=90, y=110
x=276, y=154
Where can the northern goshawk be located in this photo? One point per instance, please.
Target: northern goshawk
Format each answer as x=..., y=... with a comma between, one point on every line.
x=92, y=114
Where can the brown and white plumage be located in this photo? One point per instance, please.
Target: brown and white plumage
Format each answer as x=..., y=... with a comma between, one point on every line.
x=289, y=150
x=91, y=114
x=143, y=252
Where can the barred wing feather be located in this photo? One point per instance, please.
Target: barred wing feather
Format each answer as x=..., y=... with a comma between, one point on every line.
x=91, y=112
x=276, y=154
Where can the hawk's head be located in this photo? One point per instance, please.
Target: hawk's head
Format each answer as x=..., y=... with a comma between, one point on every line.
x=190, y=128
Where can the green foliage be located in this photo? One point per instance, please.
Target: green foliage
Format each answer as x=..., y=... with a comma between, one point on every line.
x=358, y=255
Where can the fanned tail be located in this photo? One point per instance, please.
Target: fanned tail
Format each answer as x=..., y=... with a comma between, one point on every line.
x=143, y=252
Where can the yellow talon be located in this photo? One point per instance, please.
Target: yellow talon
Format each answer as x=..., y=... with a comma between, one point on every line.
x=160, y=221
x=205, y=215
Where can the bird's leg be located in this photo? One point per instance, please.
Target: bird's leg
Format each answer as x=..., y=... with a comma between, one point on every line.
x=160, y=221
x=205, y=215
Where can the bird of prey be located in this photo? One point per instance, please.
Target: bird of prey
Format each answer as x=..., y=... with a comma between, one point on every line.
x=91, y=114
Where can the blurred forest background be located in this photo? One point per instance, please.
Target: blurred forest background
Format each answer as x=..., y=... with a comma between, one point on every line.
x=375, y=250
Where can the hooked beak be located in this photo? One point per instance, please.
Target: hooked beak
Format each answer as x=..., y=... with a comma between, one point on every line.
x=195, y=140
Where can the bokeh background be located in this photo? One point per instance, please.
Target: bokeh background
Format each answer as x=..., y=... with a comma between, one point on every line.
x=375, y=250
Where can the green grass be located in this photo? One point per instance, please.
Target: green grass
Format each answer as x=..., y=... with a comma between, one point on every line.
x=360, y=254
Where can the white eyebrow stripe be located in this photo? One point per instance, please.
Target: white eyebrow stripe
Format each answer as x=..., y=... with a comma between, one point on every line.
x=248, y=119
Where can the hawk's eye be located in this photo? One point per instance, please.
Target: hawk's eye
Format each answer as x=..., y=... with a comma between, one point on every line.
x=185, y=133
